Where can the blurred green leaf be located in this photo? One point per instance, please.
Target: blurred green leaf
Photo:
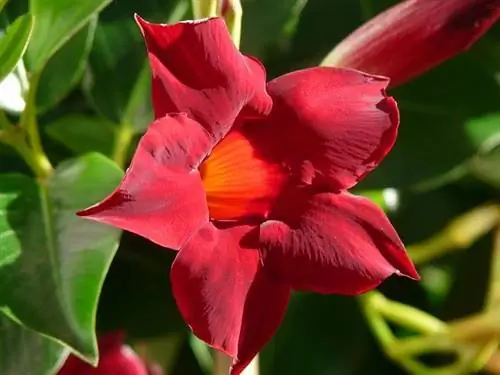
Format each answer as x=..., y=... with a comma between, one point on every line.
x=58, y=261
x=83, y=134
x=471, y=281
x=111, y=81
x=2, y=4
x=321, y=335
x=137, y=295
x=13, y=44
x=265, y=23
x=23, y=351
x=56, y=22
x=65, y=69
x=118, y=91
x=482, y=128
x=434, y=107
x=436, y=110
x=486, y=164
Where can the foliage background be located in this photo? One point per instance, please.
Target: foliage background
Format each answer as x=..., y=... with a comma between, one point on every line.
x=93, y=96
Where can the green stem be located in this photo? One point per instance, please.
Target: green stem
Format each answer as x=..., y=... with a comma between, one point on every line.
x=40, y=164
x=221, y=363
x=376, y=322
x=484, y=326
x=4, y=122
x=404, y=315
x=15, y=138
x=412, y=318
x=180, y=10
x=423, y=344
x=482, y=356
x=233, y=19
x=204, y=8
x=123, y=137
x=459, y=234
x=371, y=303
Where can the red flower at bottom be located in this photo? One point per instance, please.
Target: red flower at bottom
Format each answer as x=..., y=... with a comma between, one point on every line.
x=249, y=182
x=115, y=359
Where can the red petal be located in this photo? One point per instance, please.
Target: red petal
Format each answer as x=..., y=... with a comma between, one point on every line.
x=161, y=196
x=414, y=36
x=224, y=295
x=333, y=125
x=114, y=359
x=198, y=70
x=334, y=243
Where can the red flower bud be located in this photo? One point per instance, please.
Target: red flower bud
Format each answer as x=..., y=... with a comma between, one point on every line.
x=414, y=36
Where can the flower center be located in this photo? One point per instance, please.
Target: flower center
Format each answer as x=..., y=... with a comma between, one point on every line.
x=238, y=182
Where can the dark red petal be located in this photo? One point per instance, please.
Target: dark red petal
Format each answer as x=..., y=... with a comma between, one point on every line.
x=334, y=243
x=161, y=196
x=198, y=70
x=115, y=358
x=331, y=125
x=224, y=295
x=414, y=36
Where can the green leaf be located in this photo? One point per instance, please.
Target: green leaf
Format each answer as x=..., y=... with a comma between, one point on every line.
x=116, y=42
x=486, y=164
x=481, y=128
x=58, y=261
x=266, y=23
x=13, y=44
x=118, y=91
x=56, y=22
x=83, y=134
x=2, y=4
x=320, y=335
x=23, y=351
x=138, y=287
x=65, y=69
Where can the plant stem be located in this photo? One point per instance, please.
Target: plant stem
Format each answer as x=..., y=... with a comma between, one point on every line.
x=458, y=234
x=411, y=318
x=204, y=8
x=39, y=162
x=221, y=363
x=377, y=323
x=233, y=19
x=123, y=137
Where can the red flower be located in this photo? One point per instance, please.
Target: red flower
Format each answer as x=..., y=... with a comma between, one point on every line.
x=249, y=181
x=115, y=359
x=414, y=36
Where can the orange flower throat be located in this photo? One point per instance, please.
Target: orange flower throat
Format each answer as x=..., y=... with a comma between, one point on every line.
x=238, y=182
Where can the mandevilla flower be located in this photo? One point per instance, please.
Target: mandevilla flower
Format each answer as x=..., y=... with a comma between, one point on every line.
x=249, y=182
x=414, y=36
x=115, y=359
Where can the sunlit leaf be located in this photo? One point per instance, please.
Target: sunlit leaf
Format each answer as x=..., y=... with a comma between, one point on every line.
x=54, y=263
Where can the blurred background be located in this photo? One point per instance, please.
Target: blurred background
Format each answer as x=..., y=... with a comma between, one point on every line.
x=446, y=162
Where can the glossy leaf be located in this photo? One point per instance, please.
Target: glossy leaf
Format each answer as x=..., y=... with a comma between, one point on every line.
x=127, y=100
x=83, y=134
x=56, y=22
x=23, y=351
x=112, y=101
x=65, y=69
x=56, y=261
x=13, y=44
